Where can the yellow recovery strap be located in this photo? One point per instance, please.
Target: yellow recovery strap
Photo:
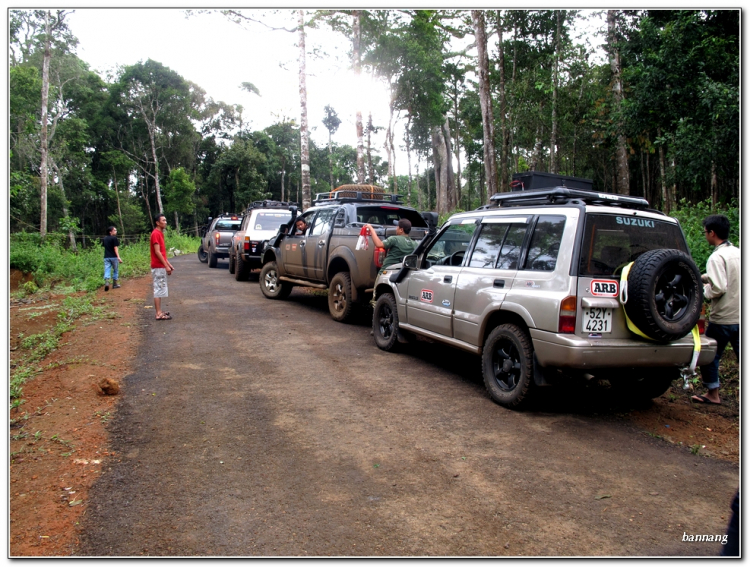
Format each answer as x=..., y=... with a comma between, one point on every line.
x=688, y=372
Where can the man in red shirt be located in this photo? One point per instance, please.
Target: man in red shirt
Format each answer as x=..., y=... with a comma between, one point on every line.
x=160, y=267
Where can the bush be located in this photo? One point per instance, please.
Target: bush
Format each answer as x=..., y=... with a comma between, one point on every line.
x=691, y=219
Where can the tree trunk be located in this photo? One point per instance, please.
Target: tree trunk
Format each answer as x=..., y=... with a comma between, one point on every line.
x=447, y=168
x=623, y=173
x=144, y=194
x=43, y=171
x=553, y=138
x=488, y=127
x=387, y=145
x=714, y=184
x=503, y=124
x=330, y=164
x=283, y=175
x=117, y=194
x=370, y=173
x=177, y=222
x=408, y=161
x=438, y=153
x=357, y=71
x=663, y=174
x=420, y=201
x=304, y=139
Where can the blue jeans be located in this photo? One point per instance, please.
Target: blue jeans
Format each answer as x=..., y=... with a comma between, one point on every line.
x=113, y=265
x=722, y=334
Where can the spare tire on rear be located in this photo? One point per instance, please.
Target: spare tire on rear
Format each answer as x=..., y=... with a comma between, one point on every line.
x=664, y=295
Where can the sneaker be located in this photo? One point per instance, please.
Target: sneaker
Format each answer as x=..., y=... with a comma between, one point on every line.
x=116, y=286
x=106, y=287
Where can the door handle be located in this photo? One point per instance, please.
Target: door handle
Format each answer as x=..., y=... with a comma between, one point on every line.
x=447, y=279
x=301, y=242
x=498, y=283
x=321, y=242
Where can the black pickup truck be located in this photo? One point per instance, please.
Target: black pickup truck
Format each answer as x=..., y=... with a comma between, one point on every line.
x=325, y=256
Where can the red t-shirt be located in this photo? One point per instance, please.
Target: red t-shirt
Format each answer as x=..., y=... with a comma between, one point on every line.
x=158, y=237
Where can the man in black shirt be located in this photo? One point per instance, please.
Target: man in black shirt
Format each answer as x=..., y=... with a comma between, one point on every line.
x=112, y=258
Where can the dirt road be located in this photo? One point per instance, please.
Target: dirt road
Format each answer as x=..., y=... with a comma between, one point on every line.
x=258, y=427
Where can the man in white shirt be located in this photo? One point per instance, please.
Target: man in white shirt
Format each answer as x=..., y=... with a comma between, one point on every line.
x=721, y=285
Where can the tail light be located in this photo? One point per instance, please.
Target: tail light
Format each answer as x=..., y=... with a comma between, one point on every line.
x=246, y=245
x=379, y=257
x=568, y=308
x=217, y=236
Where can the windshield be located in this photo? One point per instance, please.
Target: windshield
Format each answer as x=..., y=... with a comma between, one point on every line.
x=270, y=221
x=612, y=241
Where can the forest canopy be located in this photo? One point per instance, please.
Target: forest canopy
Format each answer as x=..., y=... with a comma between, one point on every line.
x=657, y=117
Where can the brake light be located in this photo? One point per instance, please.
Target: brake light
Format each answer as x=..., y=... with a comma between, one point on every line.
x=217, y=236
x=702, y=321
x=567, y=321
x=379, y=257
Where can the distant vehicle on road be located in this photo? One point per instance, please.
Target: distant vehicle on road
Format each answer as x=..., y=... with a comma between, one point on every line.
x=218, y=238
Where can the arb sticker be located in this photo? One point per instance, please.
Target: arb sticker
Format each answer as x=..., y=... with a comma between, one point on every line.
x=426, y=296
x=604, y=288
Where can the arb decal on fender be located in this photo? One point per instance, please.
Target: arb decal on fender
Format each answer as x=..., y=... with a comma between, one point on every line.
x=604, y=288
x=426, y=296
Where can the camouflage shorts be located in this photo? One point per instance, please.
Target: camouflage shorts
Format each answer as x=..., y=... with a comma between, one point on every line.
x=160, y=282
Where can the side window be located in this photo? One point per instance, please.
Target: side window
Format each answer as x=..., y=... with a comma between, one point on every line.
x=323, y=222
x=488, y=245
x=545, y=243
x=511, y=250
x=451, y=245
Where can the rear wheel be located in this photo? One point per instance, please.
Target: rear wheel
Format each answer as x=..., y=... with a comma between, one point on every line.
x=270, y=284
x=241, y=269
x=508, y=365
x=385, y=322
x=340, y=297
x=202, y=256
x=211, y=260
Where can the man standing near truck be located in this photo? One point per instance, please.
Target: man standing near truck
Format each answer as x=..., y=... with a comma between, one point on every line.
x=721, y=284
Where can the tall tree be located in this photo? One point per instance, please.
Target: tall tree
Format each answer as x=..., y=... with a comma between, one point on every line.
x=621, y=146
x=304, y=134
x=488, y=121
x=331, y=121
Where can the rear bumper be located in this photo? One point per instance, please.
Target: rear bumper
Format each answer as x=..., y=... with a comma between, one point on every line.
x=571, y=351
x=252, y=259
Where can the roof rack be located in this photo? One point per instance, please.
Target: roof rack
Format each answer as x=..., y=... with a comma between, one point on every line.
x=564, y=195
x=271, y=204
x=352, y=196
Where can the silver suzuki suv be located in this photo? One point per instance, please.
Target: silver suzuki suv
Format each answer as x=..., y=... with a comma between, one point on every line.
x=553, y=285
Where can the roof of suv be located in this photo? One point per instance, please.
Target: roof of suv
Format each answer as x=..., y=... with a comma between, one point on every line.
x=566, y=196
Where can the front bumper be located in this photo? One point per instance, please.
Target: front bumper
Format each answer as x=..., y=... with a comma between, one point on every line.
x=571, y=351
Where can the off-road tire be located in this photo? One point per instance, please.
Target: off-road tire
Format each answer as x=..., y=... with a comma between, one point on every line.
x=385, y=322
x=241, y=269
x=270, y=285
x=211, y=260
x=202, y=256
x=508, y=365
x=231, y=263
x=340, y=297
x=665, y=294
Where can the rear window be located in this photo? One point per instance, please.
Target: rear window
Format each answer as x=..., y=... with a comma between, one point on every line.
x=388, y=216
x=270, y=221
x=612, y=241
x=228, y=224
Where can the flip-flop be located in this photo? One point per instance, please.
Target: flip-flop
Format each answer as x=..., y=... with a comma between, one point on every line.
x=704, y=400
x=164, y=317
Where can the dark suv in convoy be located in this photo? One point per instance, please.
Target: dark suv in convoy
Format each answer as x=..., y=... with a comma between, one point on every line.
x=326, y=255
x=215, y=243
x=553, y=285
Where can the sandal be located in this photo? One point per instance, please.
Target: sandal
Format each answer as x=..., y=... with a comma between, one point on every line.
x=164, y=317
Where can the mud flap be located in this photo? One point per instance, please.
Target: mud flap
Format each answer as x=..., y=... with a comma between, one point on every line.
x=539, y=378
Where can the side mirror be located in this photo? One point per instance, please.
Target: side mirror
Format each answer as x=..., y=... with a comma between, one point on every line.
x=210, y=219
x=293, y=208
x=410, y=261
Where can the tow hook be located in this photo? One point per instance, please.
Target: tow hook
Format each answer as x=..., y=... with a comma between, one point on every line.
x=687, y=374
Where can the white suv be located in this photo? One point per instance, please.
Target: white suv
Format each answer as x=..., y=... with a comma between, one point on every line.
x=534, y=284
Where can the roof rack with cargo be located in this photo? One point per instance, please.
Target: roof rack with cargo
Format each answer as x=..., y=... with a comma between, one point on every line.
x=358, y=193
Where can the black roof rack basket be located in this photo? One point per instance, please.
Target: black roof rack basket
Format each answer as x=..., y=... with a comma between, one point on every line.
x=352, y=196
x=563, y=195
x=271, y=204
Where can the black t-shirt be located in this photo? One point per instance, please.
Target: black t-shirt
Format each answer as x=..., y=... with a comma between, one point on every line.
x=109, y=246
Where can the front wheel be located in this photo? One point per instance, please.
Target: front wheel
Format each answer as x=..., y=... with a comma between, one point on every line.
x=211, y=260
x=231, y=263
x=270, y=284
x=202, y=256
x=340, y=297
x=508, y=365
x=385, y=322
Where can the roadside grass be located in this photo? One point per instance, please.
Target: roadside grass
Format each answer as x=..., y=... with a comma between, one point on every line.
x=53, y=266
x=35, y=348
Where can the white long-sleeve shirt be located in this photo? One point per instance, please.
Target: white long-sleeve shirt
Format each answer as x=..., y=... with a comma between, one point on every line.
x=723, y=285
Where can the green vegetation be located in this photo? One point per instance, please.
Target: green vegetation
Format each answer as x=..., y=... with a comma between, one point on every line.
x=53, y=265
x=691, y=219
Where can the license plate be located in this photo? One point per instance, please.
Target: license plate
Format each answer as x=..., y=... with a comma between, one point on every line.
x=597, y=320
